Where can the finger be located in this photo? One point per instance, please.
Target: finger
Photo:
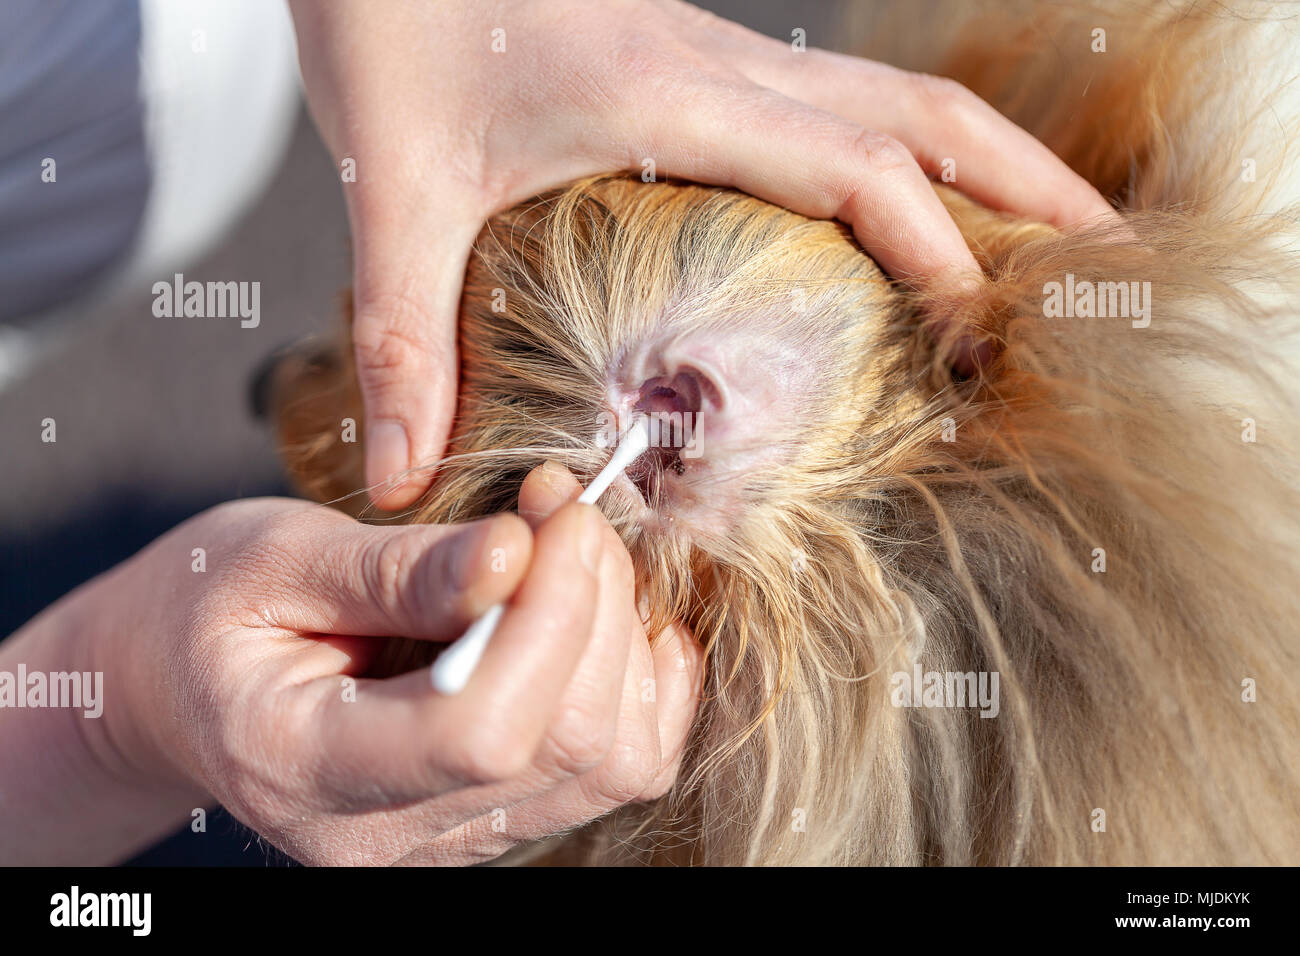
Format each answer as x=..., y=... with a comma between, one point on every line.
x=583, y=730
x=593, y=714
x=994, y=160
x=950, y=130
x=633, y=761
x=821, y=165
x=399, y=741
x=990, y=158
x=657, y=710
x=548, y=487
x=343, y=578
x=629, y=766
x=679, y=676
x=587, y=723
x=407, y=296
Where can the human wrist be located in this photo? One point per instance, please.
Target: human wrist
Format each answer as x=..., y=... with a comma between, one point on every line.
x=77, y=789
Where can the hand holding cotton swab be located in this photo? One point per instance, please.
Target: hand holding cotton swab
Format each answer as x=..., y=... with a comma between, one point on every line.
x=451, y=671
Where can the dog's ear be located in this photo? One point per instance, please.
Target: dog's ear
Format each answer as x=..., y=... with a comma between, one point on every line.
x=309, y=395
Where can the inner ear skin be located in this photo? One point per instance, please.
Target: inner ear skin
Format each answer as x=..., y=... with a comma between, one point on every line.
x=665, y=395
x=674, y=404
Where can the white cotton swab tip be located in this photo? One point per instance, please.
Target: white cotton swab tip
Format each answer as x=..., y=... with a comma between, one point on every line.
x=632, y=447
x=451, y=671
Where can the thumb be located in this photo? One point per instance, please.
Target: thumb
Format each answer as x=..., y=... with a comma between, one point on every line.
x=407, y=297
x=429, y=582
x=547, y=488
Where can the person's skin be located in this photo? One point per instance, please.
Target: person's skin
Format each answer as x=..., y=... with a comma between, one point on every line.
x=445, y=132
x=219, y=685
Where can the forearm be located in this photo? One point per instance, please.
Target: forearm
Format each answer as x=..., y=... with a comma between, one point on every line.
x=67, y=796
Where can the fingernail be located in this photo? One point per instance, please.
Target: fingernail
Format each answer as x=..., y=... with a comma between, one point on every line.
x=388, y=452
x=554, y=475
x=591, y=539
x=466, y=551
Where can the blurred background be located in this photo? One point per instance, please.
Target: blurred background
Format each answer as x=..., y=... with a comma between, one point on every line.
x=153, y=416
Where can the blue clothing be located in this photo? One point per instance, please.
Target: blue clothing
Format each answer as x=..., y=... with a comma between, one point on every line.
x=69, y=92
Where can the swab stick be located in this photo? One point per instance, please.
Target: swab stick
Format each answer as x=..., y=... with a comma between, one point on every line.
x=451, y=671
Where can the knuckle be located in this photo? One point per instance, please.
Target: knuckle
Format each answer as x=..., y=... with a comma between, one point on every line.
x=659, y=786
x=251, y=560
x=240, y=512
x=639, y=57
x=577, y=741
x=942, y=94
x=270, y=535
x=484, y=756
x=267, y=538
x=627, y=772
x=880, y=151
x=398, y=342
x=389, y=563
x=649, y=70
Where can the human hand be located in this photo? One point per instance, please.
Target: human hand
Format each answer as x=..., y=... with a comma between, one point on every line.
x=445, y=132
x=243, y=680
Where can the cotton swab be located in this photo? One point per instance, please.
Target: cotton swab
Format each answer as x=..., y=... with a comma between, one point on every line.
x=451, y=671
